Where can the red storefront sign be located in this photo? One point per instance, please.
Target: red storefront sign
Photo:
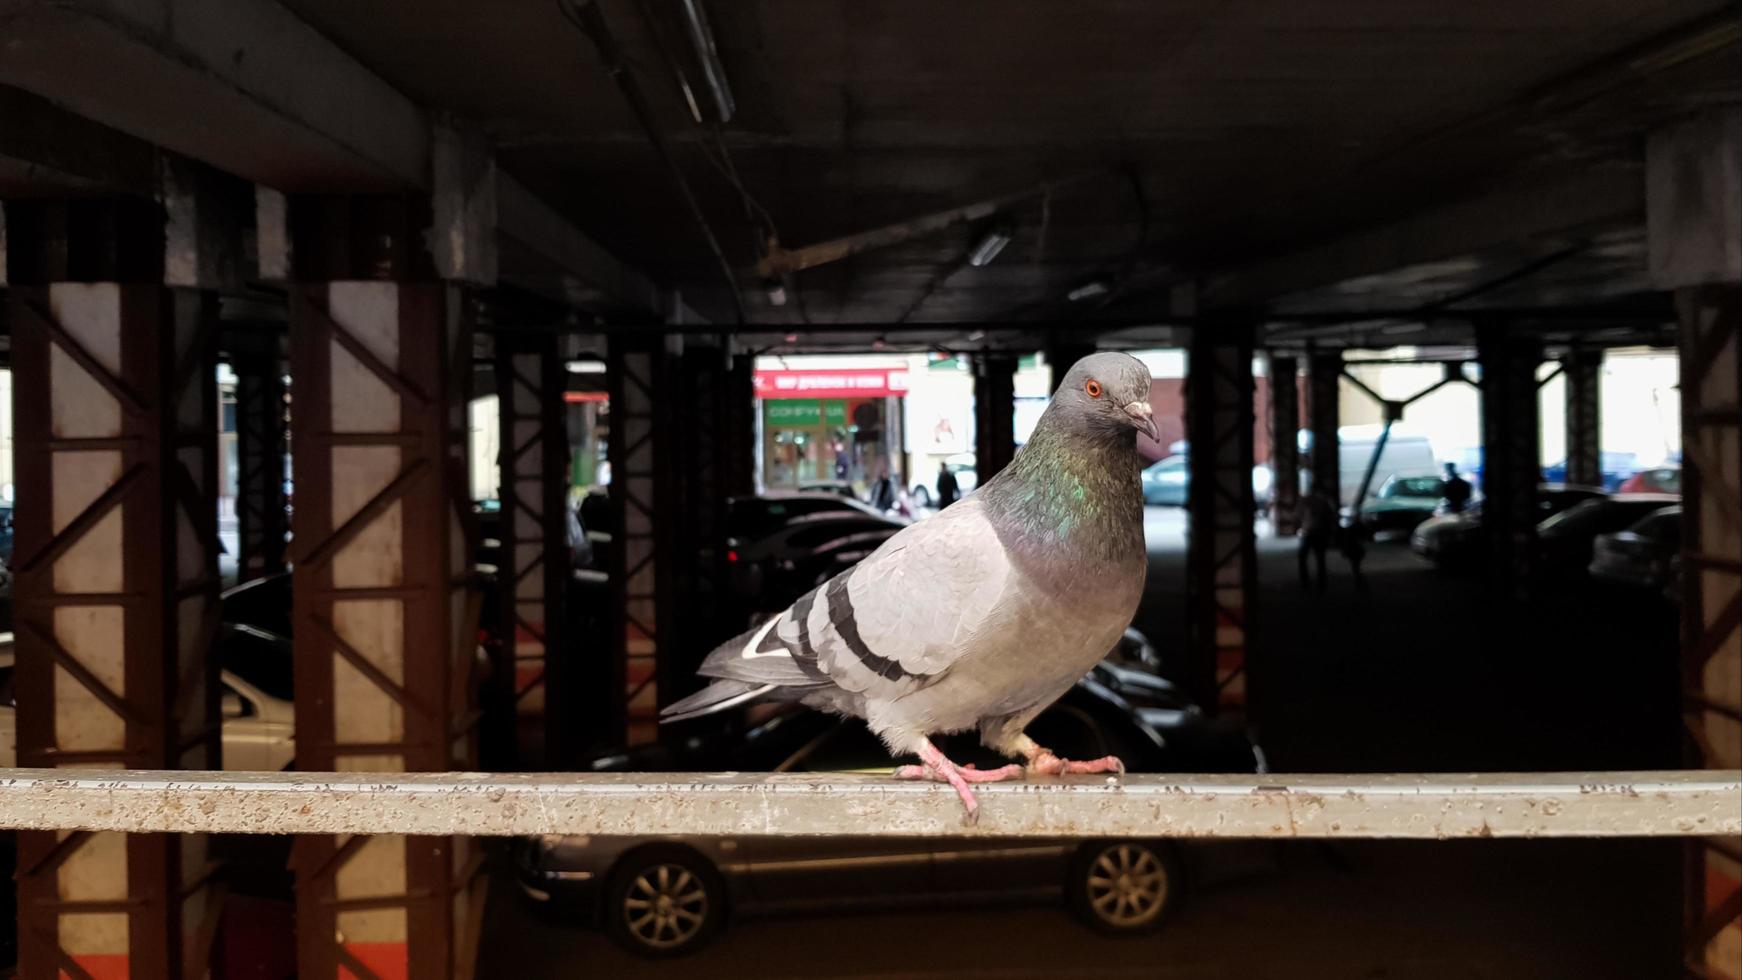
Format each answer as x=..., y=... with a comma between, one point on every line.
x=826, y=383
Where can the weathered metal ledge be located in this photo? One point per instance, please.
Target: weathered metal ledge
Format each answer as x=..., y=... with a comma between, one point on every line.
x=1428, y=806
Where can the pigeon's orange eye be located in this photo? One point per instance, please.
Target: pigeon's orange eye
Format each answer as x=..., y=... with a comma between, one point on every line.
x=1093, y=388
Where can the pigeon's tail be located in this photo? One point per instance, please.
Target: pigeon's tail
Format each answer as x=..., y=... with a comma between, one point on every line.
x=721, y=695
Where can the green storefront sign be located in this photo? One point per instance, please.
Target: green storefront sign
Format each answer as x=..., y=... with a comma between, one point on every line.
x=802, y=412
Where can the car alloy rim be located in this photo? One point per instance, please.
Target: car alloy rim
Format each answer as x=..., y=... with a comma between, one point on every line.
x=665, y=906
x=1127, y=885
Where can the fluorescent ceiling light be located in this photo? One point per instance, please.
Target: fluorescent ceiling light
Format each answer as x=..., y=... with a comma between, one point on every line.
x=1088, y=290
x=586, y=367
x=988, y=248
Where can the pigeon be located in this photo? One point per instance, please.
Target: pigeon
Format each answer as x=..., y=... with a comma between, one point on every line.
x=983, y=615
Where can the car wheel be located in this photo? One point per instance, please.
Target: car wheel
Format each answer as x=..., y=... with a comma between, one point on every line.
x=1124, y=887
x=664, y=901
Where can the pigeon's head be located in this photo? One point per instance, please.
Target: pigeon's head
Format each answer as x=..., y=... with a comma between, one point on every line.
x=1108, y=390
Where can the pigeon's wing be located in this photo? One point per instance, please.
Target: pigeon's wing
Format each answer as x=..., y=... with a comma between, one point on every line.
x=890, y=625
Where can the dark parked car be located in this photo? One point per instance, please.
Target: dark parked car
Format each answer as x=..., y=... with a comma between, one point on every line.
x=1400, y=504
x=667, y=896
x=772, y=570
x=1644, y=555
x=751, y=518
x=1564, y=541
x=1454, y=540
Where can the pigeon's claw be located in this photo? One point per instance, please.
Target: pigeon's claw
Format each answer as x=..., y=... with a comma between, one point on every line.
x=938, y=768
x=1046, y=764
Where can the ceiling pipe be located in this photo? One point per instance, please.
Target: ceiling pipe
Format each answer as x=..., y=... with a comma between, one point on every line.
x=586, y=15
x=702, y=36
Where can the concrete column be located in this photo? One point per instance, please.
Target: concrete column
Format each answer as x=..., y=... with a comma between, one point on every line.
x=385, y=623
x=115, y=596
x=994, y=412
x=1284, y=444
x=1324, y=375
x=1511, y=450
x=1694, y=214
x=1584, y=371
x=261, y=445
x=1221, y=556
x=534, y=562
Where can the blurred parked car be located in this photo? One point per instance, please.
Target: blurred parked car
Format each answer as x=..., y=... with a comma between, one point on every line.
x=1400, y=504
x=1657, y=479
x=668, y=896
x=774, y=569
x=1564, y=541
x=1645, y=555
x=840, y=488
x=1454, y=540
x=258, y=729
x=1617, y=468
x=961, y=465
x=751, y=518
x=1165, y=482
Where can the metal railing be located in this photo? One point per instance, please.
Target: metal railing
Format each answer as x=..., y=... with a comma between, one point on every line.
x=1690, y=803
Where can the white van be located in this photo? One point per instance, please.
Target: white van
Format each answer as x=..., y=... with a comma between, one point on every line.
x=1406, y=454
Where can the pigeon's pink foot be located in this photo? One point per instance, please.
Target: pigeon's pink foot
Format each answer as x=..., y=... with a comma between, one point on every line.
x=938, y=768
x=1047, y=764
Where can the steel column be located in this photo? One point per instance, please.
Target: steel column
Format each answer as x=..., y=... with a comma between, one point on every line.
x=1221, y=556
x=1324, y=378
x=1061, y=354
x=1511, y=464
x=261, y=444
x=711, y=414
x=384, y=618
x=115, y=596
x=643, y=446
x=994, y=412
x=1584, y=371
x=1711, y=588
x=534, y=561
x=1284, y=445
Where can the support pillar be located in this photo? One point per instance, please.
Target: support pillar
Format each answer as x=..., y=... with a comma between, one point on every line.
x=261, y=443
x=115, y=595
x=1693, y=186
x=534, y=564
x=1221, y=555
x=714, y=421
x=1324, y=377
x=1584, y=371
x=1284, y=445
x=385, y=623
x=1511, y=456
x=994, y=413
x=644, y=505
x=1063, y=352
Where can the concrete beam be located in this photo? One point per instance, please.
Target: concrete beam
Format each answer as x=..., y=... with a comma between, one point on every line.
x=1694, y=191
x=244, y=85
x=1423, y=807
x=1573, y=205
x=48, y=151
x=248, y=87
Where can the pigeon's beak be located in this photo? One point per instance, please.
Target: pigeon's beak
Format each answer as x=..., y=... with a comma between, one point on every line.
x=1143, y=419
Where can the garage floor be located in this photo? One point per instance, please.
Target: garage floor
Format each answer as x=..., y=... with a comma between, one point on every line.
x=1420, y=672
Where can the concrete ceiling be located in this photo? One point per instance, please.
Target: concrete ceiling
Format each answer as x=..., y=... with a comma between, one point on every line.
x=1217, y=137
